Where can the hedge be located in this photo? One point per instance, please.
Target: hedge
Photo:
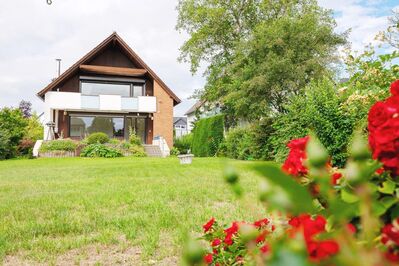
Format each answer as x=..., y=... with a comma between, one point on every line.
x=208, y=134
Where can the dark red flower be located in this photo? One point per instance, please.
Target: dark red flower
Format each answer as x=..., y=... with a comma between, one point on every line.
x=335, y=177
x=208, y=225
x=216, y=242
x=232, y=230
x=322, y=249
x=261, y=223
x=228, y=240
x=265, y=248
x=262, y=236
x=351, y=228
x=294, y=164
x=395, y=88
x=392, y=255
x=208, y=258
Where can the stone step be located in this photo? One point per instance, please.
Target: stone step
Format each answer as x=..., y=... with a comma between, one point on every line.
x=153, y=150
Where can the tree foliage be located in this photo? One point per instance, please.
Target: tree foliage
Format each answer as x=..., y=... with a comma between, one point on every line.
x=12, y=129
x=258, y=52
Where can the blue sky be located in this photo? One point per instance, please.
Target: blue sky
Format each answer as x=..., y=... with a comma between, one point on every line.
x=34, y=34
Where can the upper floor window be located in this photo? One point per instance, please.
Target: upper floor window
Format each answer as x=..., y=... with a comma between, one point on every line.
x=108, y=88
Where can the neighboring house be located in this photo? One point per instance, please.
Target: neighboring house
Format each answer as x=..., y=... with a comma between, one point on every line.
x=109, y=90
x=201, y=109
x=180, y=126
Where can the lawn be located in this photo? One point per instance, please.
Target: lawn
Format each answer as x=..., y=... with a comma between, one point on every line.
x=60, y=210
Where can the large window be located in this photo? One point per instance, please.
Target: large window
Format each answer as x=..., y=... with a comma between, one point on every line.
x=81, y=126
x=108, y=88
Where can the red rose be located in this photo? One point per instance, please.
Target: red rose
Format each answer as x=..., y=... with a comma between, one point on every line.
x=392, y=255
x=216, y=242
x=395, y=88
x=262, y=236
x=228, y=240
x=261, y=223
x=351, y=228
x=294, y=164
x=232, y=230
x=208, y=225
x=265, y=248
x=335, y=177
x=379, y=113
x=208, y=258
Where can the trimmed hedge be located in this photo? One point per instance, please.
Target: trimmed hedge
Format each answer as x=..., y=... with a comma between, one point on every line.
x=208, y=134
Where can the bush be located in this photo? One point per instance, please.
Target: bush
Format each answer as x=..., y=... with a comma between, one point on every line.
x=319, y=109
x=207, y=136
x=137, y=151
x=238, y=144
x=100, y=150
x=12, y=129
x=174, y=151
x=59, y=145
x=183, y=144
x=134, y=139
x=97, y=137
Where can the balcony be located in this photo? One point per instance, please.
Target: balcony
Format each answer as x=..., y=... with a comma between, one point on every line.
x=72, y=101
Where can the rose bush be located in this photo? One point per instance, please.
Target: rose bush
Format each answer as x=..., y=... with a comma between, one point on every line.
x=319, y=214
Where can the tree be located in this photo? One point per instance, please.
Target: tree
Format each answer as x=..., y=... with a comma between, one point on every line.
x=26, y=108
x=260, y=54
x=12, y=129
x=391, y=34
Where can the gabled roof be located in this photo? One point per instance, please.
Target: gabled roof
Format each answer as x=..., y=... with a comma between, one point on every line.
x=194, y=107
x=113, y=38
x=177, y=119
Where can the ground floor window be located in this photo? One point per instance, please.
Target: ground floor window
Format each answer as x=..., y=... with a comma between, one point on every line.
x=114, y=126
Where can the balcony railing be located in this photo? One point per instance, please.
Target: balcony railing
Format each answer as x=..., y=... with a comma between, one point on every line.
x=73, y=101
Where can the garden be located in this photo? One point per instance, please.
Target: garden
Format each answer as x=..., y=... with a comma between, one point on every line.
x=300, y=167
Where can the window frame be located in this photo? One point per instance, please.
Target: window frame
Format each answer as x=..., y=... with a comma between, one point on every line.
x=116, y=115
x=131, y=83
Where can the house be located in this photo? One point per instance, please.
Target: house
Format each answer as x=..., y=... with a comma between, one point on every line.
x=180, y=126
x=201, y=109
x=109, y=90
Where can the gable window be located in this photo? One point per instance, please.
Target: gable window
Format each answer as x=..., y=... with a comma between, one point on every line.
x=95, y=88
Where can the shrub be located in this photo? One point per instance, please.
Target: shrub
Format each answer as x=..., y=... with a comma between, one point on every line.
x=319, y=109
x=134, y=139
x=238, y=144
x=174, y=151
x=137, y=151
x=97, y=137
x=100, y=150
x=59, y=145
x=12, y=129
x=207, y=136
x=34, y=129
x=183, y=144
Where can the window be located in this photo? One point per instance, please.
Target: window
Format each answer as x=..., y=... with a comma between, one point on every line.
x=107, y=88
x=81, y=126
x=138, y=125
x=92, y=88
x=138, y=90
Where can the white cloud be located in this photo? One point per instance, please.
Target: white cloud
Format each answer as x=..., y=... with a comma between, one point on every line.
x=364, y=18
x=34, y=34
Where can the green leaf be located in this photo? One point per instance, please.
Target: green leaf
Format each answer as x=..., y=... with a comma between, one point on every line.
x=388, y=187
x=348, y=196
x=300, y=198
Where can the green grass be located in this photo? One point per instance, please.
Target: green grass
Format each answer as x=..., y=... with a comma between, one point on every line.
x=50, y=206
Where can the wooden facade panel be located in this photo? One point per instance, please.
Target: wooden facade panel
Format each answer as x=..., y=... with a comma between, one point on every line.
x=113, y=56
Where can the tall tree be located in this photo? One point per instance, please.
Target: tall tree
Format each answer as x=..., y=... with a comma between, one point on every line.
x=282, y=47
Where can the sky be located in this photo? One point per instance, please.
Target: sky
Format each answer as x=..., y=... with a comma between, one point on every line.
x=34, y=34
